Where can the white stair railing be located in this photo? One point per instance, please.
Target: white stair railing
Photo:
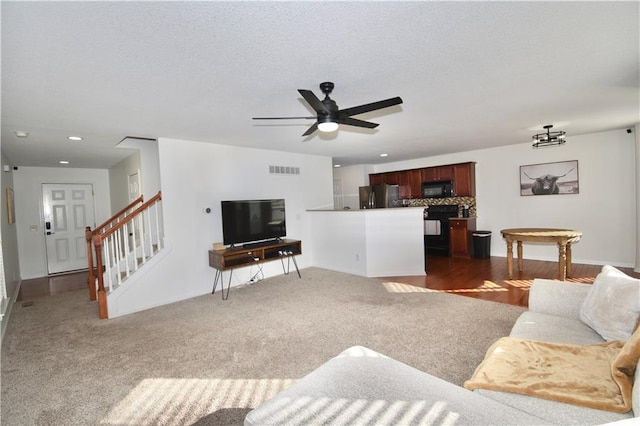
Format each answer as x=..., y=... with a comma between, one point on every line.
x=108, y=224
x=125, y=247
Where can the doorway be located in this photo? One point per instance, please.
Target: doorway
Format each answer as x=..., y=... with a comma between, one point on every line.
x=338, y=196
x=67, y=210
x=135, y=191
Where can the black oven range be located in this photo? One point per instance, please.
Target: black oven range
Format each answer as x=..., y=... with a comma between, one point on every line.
x=436, y=229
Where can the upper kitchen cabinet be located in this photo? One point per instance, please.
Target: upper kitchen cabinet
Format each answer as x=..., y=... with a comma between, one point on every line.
x=410, y=182
x=376, y=179
x=464, y=179
x=463, y=176
x=390, y=178
x=435, y=174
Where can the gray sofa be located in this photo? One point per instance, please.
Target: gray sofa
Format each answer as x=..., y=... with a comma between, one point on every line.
x=361, y=386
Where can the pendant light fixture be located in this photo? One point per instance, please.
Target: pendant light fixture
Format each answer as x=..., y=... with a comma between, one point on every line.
x=548, y=139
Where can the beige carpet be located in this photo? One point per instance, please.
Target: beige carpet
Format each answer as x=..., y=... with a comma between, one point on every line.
x=207, y=361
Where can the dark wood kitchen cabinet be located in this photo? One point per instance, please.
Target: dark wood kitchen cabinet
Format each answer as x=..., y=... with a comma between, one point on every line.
x=376, y=179
x=410, y=182
x=390, y=178
x=460, y=236
x=464, y=179
x=436, y=174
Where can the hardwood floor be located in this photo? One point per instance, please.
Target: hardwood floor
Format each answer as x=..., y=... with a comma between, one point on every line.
x=53, y=284
x=487, y=278
x=480, y=278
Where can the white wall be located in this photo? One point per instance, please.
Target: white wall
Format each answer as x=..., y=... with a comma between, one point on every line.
x=604, y=210
x=197, y=175
x=9, y=238
x=28, y=202
x=119, y=181
x=637, y=139
x=149, y=165
x=352, y=178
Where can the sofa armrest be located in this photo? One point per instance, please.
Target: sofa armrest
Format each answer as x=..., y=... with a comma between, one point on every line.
x=560, y=298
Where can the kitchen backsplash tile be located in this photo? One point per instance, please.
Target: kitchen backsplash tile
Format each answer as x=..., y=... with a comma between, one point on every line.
x=459, y=201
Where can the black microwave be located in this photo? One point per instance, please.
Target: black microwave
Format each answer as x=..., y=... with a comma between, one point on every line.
x=440, y=189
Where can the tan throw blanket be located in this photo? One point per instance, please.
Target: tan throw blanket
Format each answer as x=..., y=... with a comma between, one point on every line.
x=596, y=376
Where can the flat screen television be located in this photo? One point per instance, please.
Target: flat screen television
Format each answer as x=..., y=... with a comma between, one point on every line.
x=247, y=221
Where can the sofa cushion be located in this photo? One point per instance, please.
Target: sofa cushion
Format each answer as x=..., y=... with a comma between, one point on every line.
x=553, y=411
x=554, y=329
x=612, y=307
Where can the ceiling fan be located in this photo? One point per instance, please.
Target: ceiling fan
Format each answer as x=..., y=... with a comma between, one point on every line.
x=329, y=116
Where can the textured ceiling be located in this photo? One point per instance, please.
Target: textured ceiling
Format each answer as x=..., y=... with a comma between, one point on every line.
x=472, y=74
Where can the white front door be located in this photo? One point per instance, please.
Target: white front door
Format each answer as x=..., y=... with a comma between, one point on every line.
x=68, y=209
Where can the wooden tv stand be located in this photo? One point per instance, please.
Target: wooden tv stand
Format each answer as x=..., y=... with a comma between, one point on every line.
x=229, y=259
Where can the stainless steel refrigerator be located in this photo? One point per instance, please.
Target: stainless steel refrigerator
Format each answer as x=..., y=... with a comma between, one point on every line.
x=379, y=196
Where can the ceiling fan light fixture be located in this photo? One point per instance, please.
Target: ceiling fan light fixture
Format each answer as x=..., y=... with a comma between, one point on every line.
x=549, y=138
x=328, y=126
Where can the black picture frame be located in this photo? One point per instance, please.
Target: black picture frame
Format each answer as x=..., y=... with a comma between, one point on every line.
x=557, y=178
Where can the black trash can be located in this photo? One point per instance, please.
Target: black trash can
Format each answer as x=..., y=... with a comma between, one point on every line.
x=481, y=244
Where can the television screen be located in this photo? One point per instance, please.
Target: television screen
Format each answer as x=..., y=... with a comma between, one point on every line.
x=246, y=221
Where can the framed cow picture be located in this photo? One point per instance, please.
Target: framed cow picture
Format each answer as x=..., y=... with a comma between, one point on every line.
x=549, y=178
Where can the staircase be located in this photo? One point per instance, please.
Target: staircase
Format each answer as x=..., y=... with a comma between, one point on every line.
x=121, y=246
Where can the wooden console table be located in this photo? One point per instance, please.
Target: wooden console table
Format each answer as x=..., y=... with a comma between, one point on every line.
x=563, y=237
x=231, y=258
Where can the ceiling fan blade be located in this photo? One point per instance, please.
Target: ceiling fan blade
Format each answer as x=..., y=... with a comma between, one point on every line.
x=311, y=129
x=313, y=100
x=361, y=109
x=355, y=122
x=284, y=118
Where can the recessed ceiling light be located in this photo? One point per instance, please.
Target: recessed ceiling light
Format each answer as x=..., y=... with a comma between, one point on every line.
x=383, y=155
x=63, y=162
x=74, y=138
x=22, y=134
x=336, y=165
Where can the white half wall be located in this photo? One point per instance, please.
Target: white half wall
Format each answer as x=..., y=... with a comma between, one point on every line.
x=198, y=175
x=370, y=243
x=604, y=210
x=28, y=202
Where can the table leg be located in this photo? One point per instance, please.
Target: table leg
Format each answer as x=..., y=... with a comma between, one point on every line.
x=562, y=260
x=221, y=278
x=519, y=255
x=510, y=258
x=215, y=281
x=568, y=259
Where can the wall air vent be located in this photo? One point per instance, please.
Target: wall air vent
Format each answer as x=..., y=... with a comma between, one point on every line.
x=284, y=170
